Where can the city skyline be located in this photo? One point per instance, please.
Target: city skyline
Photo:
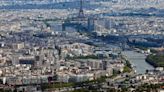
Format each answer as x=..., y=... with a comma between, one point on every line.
x=81, y=46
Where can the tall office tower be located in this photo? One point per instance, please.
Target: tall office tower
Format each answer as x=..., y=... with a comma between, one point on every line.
x=91, y=25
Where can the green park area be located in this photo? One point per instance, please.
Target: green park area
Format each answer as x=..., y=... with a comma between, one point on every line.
x=156, y=60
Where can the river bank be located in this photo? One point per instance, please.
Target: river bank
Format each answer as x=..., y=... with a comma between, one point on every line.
x=155, y=60
x=137, y=61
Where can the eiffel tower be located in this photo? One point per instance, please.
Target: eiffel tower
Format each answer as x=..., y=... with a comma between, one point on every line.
x=81, y=12
x=80, y=22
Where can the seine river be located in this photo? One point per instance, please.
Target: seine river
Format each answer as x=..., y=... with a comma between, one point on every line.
x=138, y=60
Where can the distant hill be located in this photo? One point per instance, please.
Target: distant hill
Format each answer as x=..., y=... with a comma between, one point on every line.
x=143, y=8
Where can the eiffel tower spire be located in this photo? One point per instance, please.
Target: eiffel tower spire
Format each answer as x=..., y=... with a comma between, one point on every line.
x=81, y=12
